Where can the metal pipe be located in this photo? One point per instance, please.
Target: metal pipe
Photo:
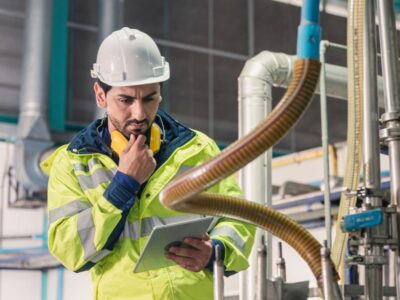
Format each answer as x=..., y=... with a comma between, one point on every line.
x=110, y=16
x=336, y=81
x=394, y=159
x=325, y=144
x=281, y=264
x=267, y=155
x=255, y=102
x=261, y=293
x=326, y=273
x=392, y=267
x=250, y=27
x=386, y=271
x=371, y=166
x=370, y=108
x=109, y=21
x=331, y=287
x=389, y=59
x=35, y=70
x=33, y=135
x=268, y=195
x=390, y=72
x=244, y=276
x=218, y=275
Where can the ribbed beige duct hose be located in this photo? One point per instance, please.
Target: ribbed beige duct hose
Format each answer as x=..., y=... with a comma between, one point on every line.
x=355, y=29
x=183, y=194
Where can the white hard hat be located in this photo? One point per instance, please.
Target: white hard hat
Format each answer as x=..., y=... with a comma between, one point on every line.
x=129, y=57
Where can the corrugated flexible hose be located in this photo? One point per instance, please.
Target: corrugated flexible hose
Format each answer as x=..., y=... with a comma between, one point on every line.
x=184, y=193
x=355, y=33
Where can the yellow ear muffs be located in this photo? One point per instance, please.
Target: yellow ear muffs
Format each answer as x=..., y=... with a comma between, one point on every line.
x=119, y=142
x=155, y=138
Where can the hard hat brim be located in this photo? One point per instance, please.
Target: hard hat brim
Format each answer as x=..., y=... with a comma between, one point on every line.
x=150, y=80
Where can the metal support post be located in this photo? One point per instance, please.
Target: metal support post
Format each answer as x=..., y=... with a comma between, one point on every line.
x=218, y=275
x=281, y=264
x=325, y=143
x=371, y=150
x=261, y=293
x=391, y=119
x=331, y=287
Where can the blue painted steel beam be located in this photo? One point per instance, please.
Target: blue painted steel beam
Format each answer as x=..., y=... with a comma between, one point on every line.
x=58, y=66
x=8, y=119
x=397, y=5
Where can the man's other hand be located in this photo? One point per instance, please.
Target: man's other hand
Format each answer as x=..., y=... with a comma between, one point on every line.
x=193, y=254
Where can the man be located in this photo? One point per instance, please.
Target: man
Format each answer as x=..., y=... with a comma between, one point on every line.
x=102, y=207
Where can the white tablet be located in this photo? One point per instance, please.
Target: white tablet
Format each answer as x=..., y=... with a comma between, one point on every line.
x=162, y=237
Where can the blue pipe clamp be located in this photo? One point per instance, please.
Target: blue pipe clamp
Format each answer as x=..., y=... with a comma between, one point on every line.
x=365, y=219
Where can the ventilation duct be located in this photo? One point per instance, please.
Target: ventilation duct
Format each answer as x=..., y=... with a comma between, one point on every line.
x=33, y=136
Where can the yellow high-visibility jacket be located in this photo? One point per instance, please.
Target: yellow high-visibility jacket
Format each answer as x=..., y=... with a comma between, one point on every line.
x=91, y=228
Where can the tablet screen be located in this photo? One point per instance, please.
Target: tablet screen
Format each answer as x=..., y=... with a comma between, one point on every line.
x=162, y=237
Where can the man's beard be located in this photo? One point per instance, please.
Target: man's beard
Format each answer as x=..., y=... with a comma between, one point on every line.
x=124, y=128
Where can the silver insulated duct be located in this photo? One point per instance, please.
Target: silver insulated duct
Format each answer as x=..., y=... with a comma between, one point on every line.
x=33, y=135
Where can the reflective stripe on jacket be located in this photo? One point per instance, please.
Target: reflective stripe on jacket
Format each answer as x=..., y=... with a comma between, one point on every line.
x=83, y=223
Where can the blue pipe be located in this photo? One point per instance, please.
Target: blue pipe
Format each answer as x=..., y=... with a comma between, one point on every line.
x=45, y=273
x=60, y=283
x=44, y=285
x=58, y=80
x=309, y=31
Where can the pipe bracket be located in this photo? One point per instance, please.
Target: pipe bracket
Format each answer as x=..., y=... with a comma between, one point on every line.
x=366, y=260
